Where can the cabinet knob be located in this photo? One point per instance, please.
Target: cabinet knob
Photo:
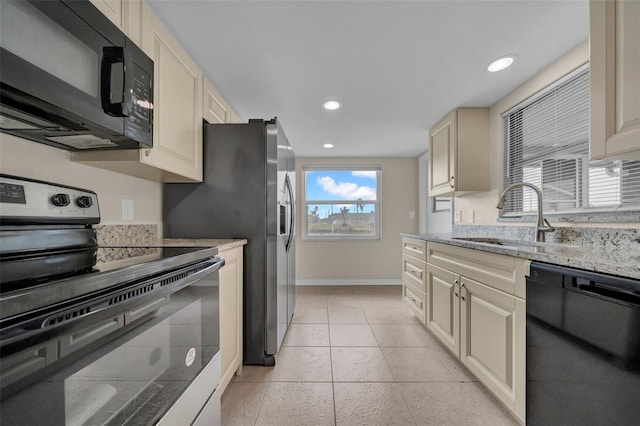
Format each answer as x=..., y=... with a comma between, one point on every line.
x=147, y=152
x=455, y=281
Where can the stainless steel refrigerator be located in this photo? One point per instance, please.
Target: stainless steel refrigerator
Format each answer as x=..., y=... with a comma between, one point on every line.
x=247, y=192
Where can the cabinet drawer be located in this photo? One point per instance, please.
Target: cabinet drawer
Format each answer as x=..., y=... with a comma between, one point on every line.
x=499, y=271
x=414, y=271
x=415, y=248
x=415, y=300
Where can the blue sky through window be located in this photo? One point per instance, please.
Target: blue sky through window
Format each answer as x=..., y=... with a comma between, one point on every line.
x=339, y=185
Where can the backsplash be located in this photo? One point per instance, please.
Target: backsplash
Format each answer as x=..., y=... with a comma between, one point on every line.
x=113, y=235
x=614, y=238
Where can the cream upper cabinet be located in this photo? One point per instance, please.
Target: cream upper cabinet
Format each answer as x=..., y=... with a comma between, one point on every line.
x=231, y=288
x=176, y=155
x=135, y=14
x=233, y=117
x=459, y=152
x=614, y=46
x=127, y=15
x=177, y=126
x=112, y=9
x=214, y=109
x=475, y=306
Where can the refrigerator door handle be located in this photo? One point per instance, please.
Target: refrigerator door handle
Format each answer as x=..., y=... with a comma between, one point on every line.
x=292, y=211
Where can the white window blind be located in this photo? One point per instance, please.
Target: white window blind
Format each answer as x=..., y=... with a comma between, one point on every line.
x=547, y=144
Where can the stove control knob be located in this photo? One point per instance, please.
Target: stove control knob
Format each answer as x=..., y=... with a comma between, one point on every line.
x=60, y=200
x=84, y=202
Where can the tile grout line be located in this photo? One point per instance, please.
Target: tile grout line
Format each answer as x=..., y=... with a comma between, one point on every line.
x=264, y=395
x=333, y=388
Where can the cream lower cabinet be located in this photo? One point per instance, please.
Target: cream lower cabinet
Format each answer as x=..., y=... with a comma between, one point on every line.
x=443, y=308
x=231, y=288
x=492, y=341
x=472, y=307
x=414, y=271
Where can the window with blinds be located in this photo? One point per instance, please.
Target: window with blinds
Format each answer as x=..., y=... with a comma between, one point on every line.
x=547, y=144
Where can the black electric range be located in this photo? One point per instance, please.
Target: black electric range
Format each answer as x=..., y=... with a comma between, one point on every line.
x=62, y=308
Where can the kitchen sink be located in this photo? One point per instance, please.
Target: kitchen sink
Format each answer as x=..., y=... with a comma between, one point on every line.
x=499, y=242
x=512, y=243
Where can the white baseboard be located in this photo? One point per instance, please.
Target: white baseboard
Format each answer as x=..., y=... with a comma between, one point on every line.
x=349, y=282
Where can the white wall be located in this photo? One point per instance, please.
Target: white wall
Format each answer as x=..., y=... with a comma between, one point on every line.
x=483, y=204
x=365, y=261
x=25, y=158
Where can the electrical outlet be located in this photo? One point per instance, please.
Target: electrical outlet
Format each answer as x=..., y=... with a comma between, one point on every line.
x=471, y=216
x=412, y=214
x=458, y=216
x=127, y=209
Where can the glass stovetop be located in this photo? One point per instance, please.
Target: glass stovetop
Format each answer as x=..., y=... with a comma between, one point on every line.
x=115, y=265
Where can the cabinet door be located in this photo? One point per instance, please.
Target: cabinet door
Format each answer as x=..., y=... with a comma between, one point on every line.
x=487, y=337
x=177, y=127
x=134, y=15
x=615, y=79
x=112, y=9
x=230, y=314
x=443, y=306
x=442, y=156
x=233, y=117
x=215, y=109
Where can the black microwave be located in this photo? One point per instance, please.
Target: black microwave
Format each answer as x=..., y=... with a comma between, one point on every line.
x=70, y=78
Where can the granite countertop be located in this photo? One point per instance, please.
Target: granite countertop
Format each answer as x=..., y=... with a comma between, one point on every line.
x=614, y=260
x=220, y=244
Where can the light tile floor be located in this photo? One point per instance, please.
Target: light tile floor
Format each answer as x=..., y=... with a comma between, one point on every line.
x=355, y=355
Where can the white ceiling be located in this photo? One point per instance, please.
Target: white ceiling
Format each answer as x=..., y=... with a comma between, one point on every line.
x=397, y=66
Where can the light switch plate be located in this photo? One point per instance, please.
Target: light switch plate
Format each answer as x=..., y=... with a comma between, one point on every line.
x=412, y=214
x=471, y=216
x=127, y=209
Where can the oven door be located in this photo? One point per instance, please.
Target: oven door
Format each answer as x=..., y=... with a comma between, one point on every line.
x=163, y=365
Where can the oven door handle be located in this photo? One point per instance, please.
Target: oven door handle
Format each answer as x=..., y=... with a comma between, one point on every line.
x=211, y=269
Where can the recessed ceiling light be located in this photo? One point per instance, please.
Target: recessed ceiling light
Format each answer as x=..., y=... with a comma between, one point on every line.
x=327, y=145
x=501, y=63
x=331, y=105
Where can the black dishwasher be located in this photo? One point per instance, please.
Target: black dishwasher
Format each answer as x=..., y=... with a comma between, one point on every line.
x=583, y=347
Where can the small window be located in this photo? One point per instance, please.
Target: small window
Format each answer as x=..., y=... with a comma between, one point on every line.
x=547, y=145
x=440, y=204
x=341, y=202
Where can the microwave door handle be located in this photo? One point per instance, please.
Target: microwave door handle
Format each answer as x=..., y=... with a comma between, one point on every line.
x=112, y=84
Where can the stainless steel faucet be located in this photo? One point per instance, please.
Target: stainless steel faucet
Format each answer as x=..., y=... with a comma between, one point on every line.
x=542, y=225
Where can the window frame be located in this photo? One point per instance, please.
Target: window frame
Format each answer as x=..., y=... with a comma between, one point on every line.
x=440, y=199
x=591, y=214
x=342, y=237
